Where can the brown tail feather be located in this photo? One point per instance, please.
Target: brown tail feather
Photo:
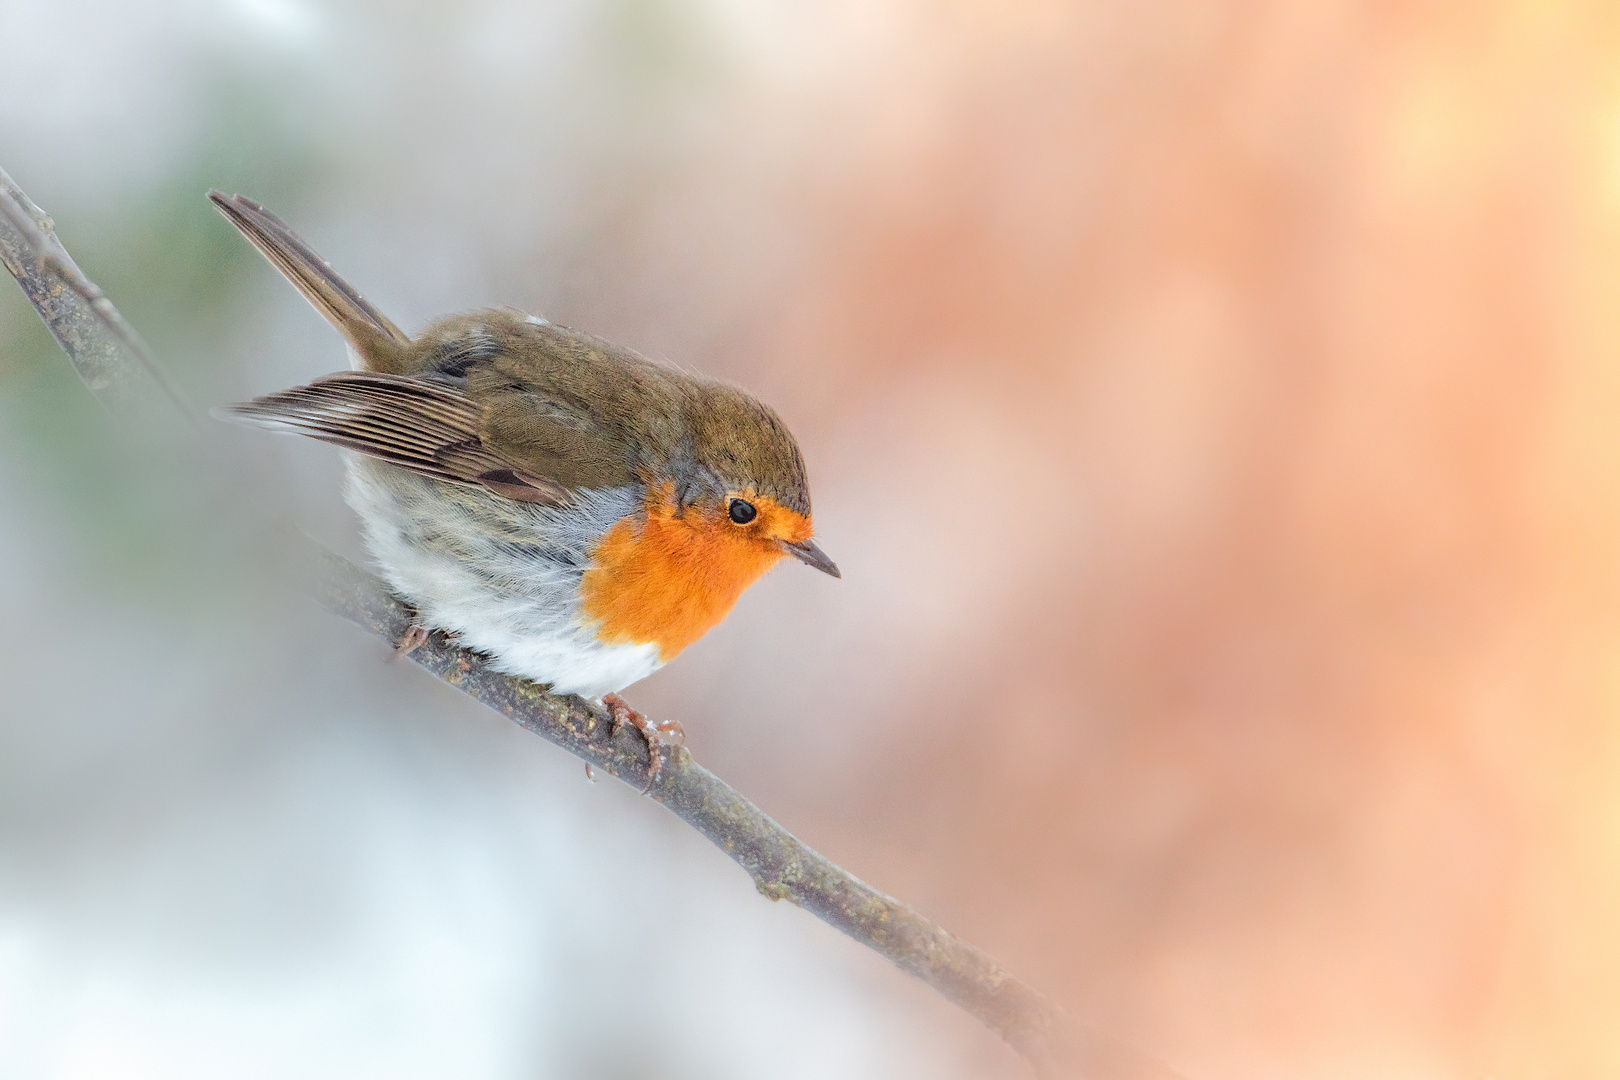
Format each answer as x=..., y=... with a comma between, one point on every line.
x=361, y=324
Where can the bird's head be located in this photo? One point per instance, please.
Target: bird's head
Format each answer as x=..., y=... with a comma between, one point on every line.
x=743, y=478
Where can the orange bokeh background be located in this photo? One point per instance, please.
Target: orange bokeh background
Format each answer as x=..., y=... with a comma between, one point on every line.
x=1283, y=338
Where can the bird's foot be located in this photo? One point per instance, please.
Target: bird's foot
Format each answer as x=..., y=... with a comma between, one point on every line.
x=414, y=639
x=660, y=735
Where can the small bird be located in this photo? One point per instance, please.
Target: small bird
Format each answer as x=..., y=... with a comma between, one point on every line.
x=574, y=510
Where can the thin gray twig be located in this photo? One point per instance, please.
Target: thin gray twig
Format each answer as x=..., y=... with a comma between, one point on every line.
x=101, y=363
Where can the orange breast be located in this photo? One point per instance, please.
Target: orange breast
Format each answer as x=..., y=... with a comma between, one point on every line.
x=667, y=579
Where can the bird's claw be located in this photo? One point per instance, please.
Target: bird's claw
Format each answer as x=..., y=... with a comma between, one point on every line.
x=413, y=639
x=668, y=733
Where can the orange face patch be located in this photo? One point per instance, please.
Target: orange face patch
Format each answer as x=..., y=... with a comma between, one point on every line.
x=666, y=580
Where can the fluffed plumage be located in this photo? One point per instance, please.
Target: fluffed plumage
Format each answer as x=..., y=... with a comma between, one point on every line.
x=562, y=503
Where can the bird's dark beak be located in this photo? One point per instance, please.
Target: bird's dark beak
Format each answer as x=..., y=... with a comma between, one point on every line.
x=809, y=554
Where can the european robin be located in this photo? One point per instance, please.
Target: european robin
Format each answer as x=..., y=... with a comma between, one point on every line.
x=574, y=510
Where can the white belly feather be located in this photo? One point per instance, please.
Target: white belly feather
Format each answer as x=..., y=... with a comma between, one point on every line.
x=503, y=577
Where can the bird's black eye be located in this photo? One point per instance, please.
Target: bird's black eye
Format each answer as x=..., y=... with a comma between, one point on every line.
x=742, y=511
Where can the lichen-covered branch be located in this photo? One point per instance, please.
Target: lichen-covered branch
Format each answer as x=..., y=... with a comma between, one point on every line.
x=118, y=368
x=105, y=351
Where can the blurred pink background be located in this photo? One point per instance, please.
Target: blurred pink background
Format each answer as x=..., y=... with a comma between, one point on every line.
x=1215, y=410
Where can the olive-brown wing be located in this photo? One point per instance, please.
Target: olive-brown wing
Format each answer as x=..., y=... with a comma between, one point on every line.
x=428, y=425
x=564, y=404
